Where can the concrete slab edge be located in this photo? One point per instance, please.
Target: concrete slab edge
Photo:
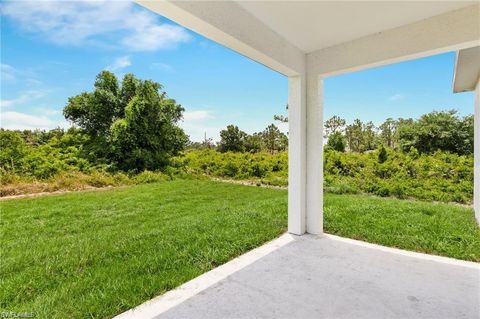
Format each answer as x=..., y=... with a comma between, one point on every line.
x=440, y=259
x=160, y=304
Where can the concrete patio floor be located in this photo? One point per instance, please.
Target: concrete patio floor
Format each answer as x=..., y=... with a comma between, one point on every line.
x=325, y=277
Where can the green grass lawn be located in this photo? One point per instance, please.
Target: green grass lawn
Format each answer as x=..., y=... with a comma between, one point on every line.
x=96, y=254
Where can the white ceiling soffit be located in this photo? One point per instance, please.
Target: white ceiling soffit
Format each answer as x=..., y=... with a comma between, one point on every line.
x=467, y=70
x=314, y=25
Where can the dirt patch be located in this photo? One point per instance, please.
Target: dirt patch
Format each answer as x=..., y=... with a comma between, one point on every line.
x=246, y=183
x=57, y=192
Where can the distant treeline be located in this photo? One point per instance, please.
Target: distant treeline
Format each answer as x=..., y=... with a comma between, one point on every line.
x=435, y=131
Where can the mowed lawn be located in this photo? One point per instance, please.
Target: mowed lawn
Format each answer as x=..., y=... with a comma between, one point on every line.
x=96, y=254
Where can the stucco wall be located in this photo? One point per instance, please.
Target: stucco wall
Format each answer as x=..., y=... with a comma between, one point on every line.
x=476, y=186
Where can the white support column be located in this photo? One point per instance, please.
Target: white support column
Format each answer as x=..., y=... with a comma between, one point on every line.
x=476, y=168
x=296, y=154
x=314, y=191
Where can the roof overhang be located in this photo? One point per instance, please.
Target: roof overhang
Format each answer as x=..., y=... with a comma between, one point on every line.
x=316, y=25
x=329, y=37
x=467, y=70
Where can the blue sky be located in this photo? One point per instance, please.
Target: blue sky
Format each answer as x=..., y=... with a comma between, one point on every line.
x=51, y=52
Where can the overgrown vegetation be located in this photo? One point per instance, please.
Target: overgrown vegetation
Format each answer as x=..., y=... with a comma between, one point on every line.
x=130, y=128
x=113, y=250
x=55, y=160
x=440, y=176
x=39, y=161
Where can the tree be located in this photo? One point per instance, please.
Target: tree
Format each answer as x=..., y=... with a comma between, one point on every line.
x=369, y=137
x=336, y=141
x=95, y=111
x=361, y=137
x=254, y=143
x=382, y=155
x=273, y=139
x=354, y=135
x=388, y=132
x=12, y=149
x=406, y=134
x=437, y=131
x=333, y=125
x=232, y=139
x=281, y=118
x=134, y=127
x=465, y=135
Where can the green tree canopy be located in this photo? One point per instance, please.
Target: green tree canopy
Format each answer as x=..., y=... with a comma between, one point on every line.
x=273, y=139
x=254, y=143
x=388, y=131
x=12, y=149
x=133, y=126
x=336, y=141
x=437, y=131
x=232, y=139
x=333, y=125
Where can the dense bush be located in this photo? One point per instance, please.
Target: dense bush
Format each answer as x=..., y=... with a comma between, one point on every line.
x=46, y=161
x=268, y=168
x=42, y=158
x=39, y=161
x=440, y=177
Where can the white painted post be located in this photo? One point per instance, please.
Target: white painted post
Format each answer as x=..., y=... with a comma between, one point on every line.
x=296, y=154
x=476, y=154
x=314, y=174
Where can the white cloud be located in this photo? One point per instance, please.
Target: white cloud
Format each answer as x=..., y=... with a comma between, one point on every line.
x=197, y=131
x=22, y=121
x=198, y=123
x=7, y=72
x=196, y=115
x=119, y=63
x=98, y=22
x=48, y=111
x=23, y=98
x=10, y=73
x=162, y=67
x=396, y=97
x=156, y=37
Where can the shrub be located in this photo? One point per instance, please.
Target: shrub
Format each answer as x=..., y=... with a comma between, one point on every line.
x=382, y=155
x=147, y=177
x=440, y=176
x=100, y=179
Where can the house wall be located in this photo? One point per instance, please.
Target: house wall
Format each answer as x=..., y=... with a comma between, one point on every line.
x=476, y=186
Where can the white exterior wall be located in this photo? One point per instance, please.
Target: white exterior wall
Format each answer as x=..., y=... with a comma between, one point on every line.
x=305, y=155
x=476, y=183
x=296, y=154
x=314, y=165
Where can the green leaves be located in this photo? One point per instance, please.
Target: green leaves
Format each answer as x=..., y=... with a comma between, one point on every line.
x=134, y=127
x=434, y=131
x=234, y=140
